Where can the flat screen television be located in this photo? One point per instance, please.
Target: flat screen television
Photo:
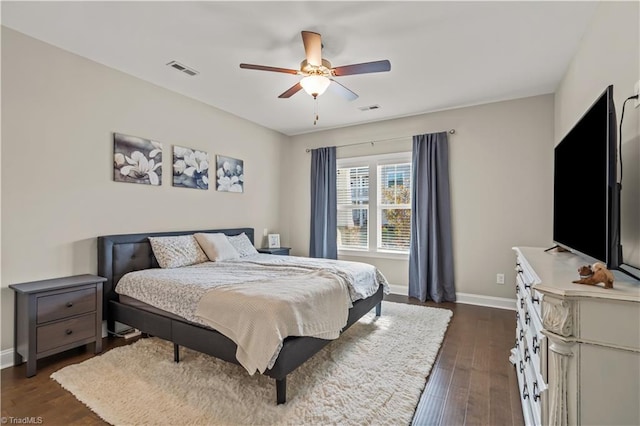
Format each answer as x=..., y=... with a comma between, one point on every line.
x=586, y=203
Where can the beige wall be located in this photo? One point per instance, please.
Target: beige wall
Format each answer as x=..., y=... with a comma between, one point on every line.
x=501, y=170
x=609, y=54
x=58, y=114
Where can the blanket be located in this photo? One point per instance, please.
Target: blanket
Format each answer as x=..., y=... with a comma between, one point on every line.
x=315, y=304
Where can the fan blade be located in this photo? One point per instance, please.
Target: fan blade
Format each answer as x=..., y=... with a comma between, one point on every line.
x=341, y=90
x=265, y=68
x=312, y=47
x=367, y=67
x=291, y=91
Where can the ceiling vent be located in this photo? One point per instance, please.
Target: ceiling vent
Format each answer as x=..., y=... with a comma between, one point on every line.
x=183, y=68
x=369, y=108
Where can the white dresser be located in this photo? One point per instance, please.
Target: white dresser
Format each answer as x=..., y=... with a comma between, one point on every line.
x=577, y=348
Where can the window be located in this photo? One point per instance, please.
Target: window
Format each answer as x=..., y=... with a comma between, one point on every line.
x=353, y=207
x=374, y=203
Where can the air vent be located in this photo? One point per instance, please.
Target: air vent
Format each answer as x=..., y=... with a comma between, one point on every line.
x=369, y=108
x=183, y=68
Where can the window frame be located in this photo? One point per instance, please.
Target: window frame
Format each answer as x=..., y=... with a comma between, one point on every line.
x=374, y=231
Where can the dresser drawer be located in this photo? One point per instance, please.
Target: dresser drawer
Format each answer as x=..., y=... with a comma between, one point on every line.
x=64, y=305
x=65, y=332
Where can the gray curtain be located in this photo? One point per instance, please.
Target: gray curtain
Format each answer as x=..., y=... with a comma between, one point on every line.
x=324, y=213
x=431, y=252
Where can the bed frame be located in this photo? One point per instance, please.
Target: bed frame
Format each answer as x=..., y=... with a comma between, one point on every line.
x=120, y=254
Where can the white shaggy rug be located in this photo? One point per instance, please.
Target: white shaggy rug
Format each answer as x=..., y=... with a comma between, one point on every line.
x=373, y=374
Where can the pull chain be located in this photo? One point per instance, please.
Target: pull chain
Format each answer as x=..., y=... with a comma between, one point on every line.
x=315, y=110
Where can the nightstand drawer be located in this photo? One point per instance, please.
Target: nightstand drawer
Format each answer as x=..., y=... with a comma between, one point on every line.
x=64, y=305
x=281, y=251
x=65, y=332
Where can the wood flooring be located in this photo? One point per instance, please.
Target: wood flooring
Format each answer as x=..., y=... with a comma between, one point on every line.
x=471, y=382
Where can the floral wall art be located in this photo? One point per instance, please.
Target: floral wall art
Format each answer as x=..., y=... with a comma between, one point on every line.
x=190, y=168
x=230, y=174
x=136, y=160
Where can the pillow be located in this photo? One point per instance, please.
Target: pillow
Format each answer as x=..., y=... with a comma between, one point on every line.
x=177, y=251
x=216, y=246
x=242, y=244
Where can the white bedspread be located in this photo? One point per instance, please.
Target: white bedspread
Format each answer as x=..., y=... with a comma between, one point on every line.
x=180, y=290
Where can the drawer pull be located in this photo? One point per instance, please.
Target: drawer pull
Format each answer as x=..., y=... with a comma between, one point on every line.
x=527, y=356
x=525, y=392
x=521, y=366
x=521, y=303
x=69, y=304
x=517, y=315
x=68, y=331
x=517, y=344
x=536, y=345
x=527, y=286
x=536, y=394
x=527, y=318
x=521, y=334
x=517, y=289
x=535, y=299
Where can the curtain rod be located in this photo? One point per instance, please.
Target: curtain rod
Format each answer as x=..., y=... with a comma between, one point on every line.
x=451, y=132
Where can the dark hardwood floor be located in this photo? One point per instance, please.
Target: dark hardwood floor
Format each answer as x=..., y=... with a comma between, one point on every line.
x=471, y=382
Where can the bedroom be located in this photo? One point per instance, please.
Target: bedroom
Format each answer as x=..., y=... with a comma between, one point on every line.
x=59, y=111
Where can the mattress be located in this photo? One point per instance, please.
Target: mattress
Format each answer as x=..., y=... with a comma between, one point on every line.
x=178, y=290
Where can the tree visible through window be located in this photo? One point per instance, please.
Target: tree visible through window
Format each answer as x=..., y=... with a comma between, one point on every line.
x=394, y=206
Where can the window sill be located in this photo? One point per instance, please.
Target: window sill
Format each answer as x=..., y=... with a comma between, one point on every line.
x=374, y=254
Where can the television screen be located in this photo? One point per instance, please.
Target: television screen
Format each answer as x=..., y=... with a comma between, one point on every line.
x=585, y=210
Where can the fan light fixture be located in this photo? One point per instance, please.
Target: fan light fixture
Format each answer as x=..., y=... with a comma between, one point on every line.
x=315, y=85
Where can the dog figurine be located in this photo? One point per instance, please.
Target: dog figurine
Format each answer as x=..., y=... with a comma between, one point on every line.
x=595, y=274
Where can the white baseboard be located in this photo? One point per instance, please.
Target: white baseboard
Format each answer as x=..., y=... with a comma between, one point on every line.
x=468, y=298
x=489, y=301
x=6, y=358
x=398, y=289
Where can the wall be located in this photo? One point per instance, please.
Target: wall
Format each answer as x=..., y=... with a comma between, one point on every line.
x=58, y=115
x=501, y=171
x=609, y=53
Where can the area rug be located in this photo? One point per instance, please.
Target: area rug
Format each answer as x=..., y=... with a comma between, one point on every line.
x=373, y=374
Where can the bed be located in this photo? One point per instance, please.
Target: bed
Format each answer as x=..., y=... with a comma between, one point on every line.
x=119, y=255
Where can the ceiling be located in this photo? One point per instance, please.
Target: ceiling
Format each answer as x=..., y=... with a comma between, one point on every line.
x=443, y=54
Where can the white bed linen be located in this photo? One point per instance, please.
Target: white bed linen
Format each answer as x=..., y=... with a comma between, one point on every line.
x=180, y=290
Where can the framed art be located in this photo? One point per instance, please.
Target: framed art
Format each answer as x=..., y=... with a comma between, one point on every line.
x=190, y=168
x=136, y=160
x=274, y=240
x=229, y=174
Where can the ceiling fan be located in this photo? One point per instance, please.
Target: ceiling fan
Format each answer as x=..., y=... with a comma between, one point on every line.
x=318, y=72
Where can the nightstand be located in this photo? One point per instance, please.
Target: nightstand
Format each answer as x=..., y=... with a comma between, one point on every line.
x=282, y=251
x=55, y=315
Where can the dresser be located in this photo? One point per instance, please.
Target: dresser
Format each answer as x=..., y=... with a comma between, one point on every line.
x=577, y=347
x=55, y=315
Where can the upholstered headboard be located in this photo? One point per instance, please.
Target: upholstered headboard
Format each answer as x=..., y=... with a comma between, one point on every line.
x=120, y=254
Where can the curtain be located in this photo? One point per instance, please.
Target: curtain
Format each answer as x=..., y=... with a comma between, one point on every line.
x=323, y=236
x=431, y=251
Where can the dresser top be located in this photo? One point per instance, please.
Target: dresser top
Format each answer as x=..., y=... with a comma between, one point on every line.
x=553, y=273
x=56, y=283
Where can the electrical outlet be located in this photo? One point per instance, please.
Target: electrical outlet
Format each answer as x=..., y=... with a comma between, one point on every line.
x=500, y=279
x=636, y=91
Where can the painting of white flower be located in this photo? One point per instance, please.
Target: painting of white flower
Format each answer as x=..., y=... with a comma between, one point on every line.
x=136, y=160
x=229, y=174
x=190, y=168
